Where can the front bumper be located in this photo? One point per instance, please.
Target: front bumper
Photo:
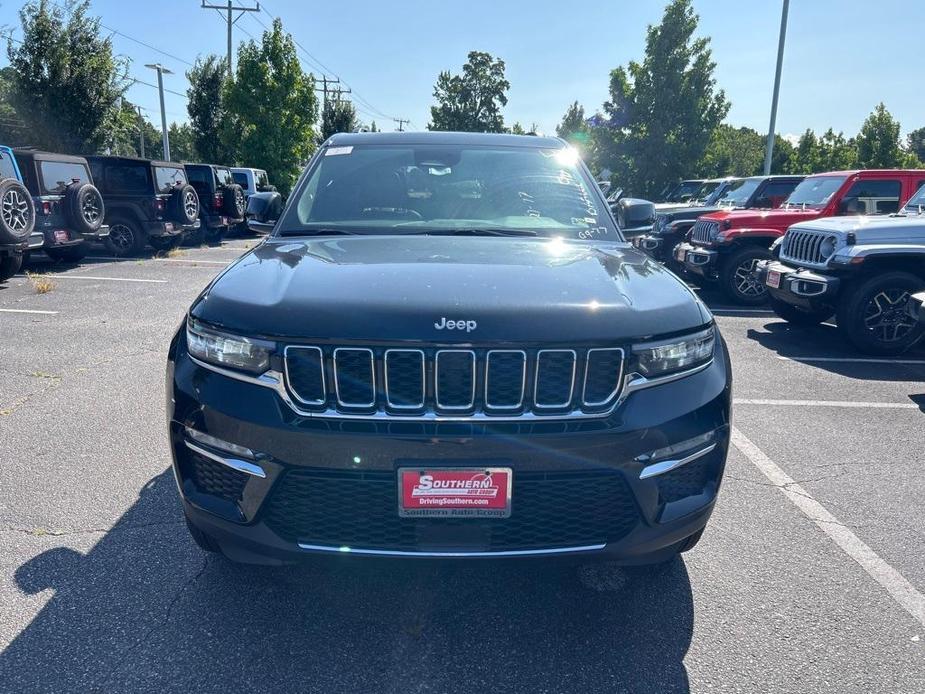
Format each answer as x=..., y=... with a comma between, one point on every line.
x=698, y=260
x=329, y=486
x=661, y=247
x=158, y=229
x=798, y=286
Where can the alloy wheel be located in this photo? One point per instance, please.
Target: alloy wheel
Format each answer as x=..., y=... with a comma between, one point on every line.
x=190, y=205
x=90, y=209
x=121, y=236
x=15, y=210
x=746, y=282
x=886, y=315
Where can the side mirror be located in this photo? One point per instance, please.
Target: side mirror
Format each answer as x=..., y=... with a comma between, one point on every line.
x=263, y=211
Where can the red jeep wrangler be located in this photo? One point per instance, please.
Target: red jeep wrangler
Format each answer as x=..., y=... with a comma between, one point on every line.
x=725, y=246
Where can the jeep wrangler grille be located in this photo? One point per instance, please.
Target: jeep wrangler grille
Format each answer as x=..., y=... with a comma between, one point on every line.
x=804, y=247
x=705, y=232
x=453, y=382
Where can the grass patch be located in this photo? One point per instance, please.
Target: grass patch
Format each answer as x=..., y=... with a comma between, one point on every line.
x=42, y=284
x=176, y=252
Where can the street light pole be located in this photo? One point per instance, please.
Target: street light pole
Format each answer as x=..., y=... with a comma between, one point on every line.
x=161, y=71
x=780, y=63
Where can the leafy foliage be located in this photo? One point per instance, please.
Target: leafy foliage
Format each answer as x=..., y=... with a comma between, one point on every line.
x=662, y=112
x=878, y=142
x=206, y=109
x=915, y=143
x=272, y=107
x=338, y=116
x=574, y=128
x=65, y=80
x=472, y=101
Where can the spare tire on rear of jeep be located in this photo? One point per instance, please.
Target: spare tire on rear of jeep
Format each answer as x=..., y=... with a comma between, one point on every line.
x=83, y=206
x=183, y=205
x=17, y=212
x=234, y=202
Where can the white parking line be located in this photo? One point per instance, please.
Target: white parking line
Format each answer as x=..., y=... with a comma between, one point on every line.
x=828, y=403
x=854, y=360
x=894, y=582
x=740, y=310
x=22, y=310
x=166, y=260
x=103, y=279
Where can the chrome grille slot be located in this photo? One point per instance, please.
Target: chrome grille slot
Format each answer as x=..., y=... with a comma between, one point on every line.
x=433, y=382
x=455, y=379
x=703, y=231
x=804, y=247
x=354, y=377
x=603, y=374
x=305, y=374
x=505, y=379
x=405, y=379
x=554, y=382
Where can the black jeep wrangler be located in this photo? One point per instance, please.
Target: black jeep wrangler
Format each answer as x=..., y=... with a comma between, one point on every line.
x=69, y=209
x=223, y=201
x=146, y=202
x=17, y=215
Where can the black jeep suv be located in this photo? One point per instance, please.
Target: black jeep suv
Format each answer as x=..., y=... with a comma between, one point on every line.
x=445, y=348
x=69, y=209
x=223, y=201
x=147, y=202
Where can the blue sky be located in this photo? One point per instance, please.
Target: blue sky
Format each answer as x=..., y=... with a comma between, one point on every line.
x=842, y=56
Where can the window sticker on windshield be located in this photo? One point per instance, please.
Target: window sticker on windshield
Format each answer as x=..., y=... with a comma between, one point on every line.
x=334, y=151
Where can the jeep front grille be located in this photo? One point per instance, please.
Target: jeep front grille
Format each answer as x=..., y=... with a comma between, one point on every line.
x=452, y=382
x=804, y=247
x=704, y=231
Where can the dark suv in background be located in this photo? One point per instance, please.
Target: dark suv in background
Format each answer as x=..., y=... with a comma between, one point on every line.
x=147, y=202
x=223, y=201
x=17, y=216
x=69, y=209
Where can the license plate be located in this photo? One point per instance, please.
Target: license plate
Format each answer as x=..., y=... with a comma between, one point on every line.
x=168, y=226
x=454, y=492
x=61, y=235
x=773, y=279
x=679, y=255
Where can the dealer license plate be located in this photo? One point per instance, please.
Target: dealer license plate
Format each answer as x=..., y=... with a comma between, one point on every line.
x=168, y=226
x=773, y=279
x=679, y=254
x=454, y=492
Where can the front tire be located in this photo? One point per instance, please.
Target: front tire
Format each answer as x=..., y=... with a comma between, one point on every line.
x=800, y=316
x=738, y=279
x=873, y=315
x=9, y=266
x=125, y=238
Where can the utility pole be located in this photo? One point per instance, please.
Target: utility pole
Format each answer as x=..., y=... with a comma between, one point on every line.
x=227, y=11
x=401, y=123
x=780, y=63
x=161, y=71
x=141, y=132
x=325, y=81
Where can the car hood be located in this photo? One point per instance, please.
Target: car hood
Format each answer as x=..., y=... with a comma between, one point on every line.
x=773, y=219
x=879, y=229
x=688, y=213
x=391, y=288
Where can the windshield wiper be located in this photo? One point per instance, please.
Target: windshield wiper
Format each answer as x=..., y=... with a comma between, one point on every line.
x=487, y=231
x=319, y=232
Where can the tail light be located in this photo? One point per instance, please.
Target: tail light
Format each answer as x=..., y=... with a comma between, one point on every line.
x=159, y=205
x=47, y=207
x=217, y=201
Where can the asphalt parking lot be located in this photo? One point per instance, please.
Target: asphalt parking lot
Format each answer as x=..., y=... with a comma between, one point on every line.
x=810, y=577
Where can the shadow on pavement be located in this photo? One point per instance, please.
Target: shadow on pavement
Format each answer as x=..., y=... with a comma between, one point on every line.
x=145, y=610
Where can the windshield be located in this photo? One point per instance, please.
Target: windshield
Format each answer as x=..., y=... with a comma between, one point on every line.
x=684, y=191
x=168, y=177
x=706, y=189
x=448, y=189
x=260, y=179
x=916, y=204
x=814, y=192
x=223, y=176
x=739, y=192
x=58, y=175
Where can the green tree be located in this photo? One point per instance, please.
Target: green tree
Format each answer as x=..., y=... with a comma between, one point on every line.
x=182, y=142
x=573, y=127
x=65, y=81
x=662, y=112
x=337, y=116
x=273, y=108
x=373, y=128
x=915, y=143
x=206, y=108
x=733, y=152
x=472, y=101
x=14, y=132
x=807, y=155
x=878, y=141
x=837, y=153
x=517, y=129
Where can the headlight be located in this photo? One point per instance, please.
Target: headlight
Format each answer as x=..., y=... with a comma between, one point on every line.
x=227, y=350
x=666, y=356
x=827, y=247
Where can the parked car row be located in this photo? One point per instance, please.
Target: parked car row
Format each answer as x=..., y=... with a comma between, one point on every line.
x=848, y=244
x=60, y=204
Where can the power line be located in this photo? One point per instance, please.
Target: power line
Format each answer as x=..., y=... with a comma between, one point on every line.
x=228, y=9
x=146, y=45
